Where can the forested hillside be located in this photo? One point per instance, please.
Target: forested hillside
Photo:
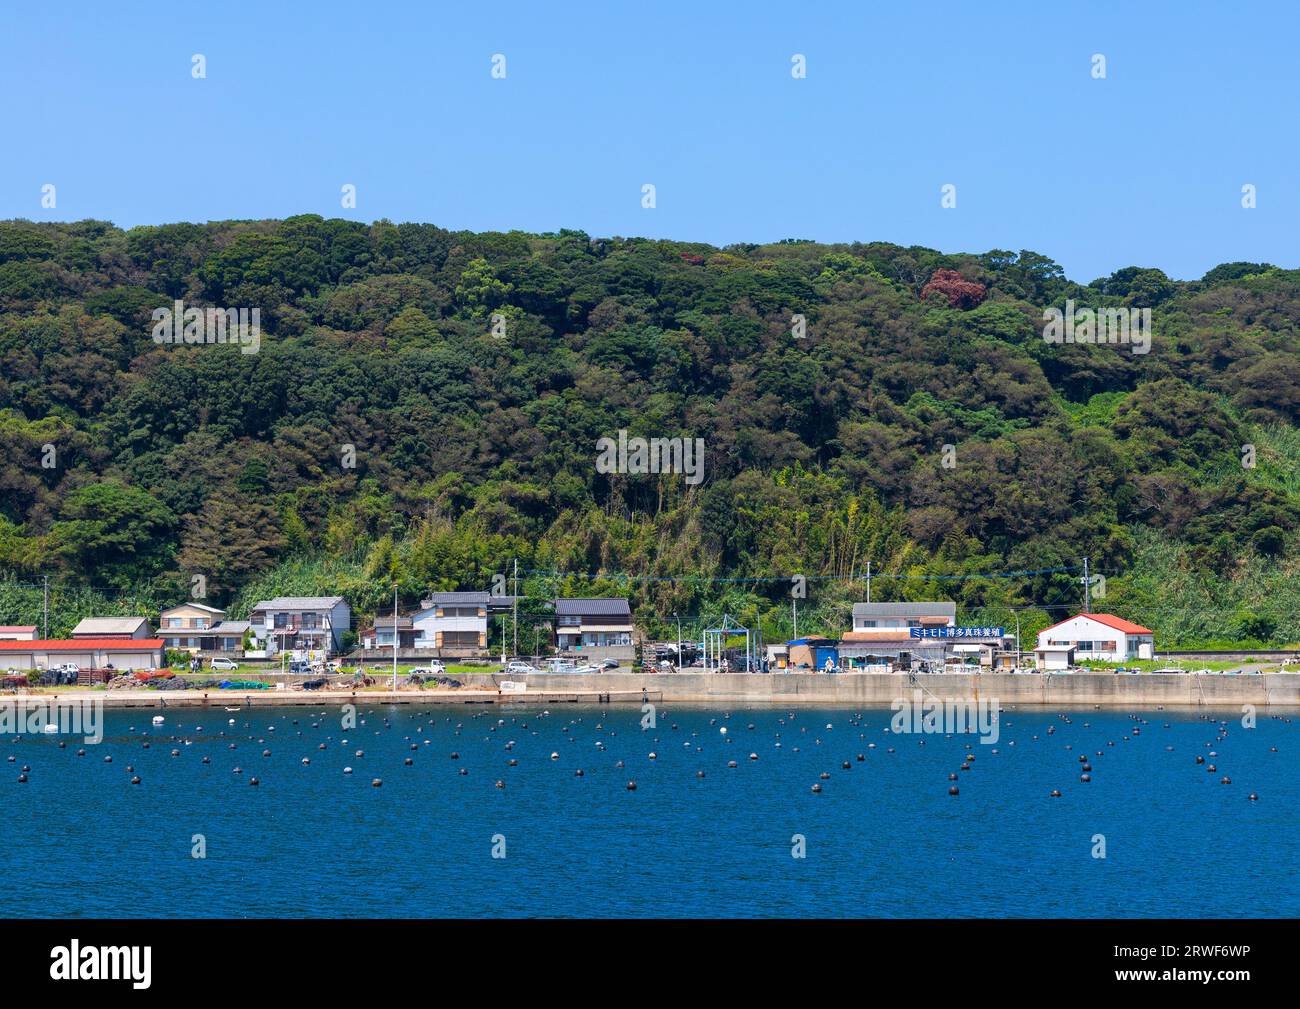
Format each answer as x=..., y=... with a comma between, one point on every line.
x=383, y=433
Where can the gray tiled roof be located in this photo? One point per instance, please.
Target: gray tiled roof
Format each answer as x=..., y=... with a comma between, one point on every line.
x=905, y=609
x=457, y=599
x=299, y=603
x=615, y=607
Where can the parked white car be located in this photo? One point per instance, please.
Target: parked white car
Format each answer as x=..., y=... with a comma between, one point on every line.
x=228, y=665
x=587, y=670
x=519, y=669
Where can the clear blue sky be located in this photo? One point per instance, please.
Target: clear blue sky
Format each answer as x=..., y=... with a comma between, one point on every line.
x=1144, y=167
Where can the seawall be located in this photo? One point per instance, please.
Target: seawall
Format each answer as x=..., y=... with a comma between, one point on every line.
x=881, y=689
x=864, y=690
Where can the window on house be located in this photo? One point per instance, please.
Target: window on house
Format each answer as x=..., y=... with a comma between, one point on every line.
x=460, y=639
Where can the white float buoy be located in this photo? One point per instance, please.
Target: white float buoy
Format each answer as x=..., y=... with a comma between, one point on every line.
x=158, y=719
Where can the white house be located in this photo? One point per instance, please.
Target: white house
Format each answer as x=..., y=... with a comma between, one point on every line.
x=301, y=622
x=453, y=622
x=1101, y=636
x=18, y=632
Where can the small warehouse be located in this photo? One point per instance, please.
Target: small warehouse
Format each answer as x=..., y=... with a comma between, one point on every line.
x=88, y=653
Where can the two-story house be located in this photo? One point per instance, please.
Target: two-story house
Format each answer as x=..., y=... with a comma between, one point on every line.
x=315, y=623
x=189, y=626
x=453, y=623
x=882, y=633
x=595, y=629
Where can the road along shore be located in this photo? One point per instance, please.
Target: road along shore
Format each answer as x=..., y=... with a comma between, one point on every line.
x=867, y=690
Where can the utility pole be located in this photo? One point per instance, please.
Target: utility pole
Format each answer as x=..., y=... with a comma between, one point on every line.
x=794, y=615
x=868, y=581
x=1017, y=613
x=394, y=636
x=679, y=640
x=46, y=631
x=516, y=606
x=1087, y=589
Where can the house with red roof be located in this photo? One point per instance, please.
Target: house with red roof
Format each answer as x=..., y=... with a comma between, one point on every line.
x=1101, y=636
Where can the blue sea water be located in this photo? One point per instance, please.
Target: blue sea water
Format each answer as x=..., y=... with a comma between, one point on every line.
x=883, y=838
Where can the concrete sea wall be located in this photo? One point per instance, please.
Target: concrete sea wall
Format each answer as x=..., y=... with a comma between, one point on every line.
x=881, y=689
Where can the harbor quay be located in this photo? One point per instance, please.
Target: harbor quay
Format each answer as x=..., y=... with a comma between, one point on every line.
x=1059, y=690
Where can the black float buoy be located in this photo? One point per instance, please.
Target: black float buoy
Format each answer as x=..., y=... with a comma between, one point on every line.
x=1253, y=797
x=408, y=761
x=631, y=786
x=253, y=781
x=376, y=782
x=135, y=780
x=817, y=788
x=1085, y=777
x=953, y=790
x=1056, y=793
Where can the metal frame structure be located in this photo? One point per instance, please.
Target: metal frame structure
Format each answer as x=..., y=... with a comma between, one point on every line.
x=715, y=645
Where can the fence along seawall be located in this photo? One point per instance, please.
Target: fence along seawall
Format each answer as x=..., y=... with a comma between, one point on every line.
x=881, y=689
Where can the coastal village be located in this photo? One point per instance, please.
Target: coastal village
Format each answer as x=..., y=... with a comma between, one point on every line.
x=309, y=635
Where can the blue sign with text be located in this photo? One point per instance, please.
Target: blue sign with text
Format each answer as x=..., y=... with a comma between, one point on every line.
x=957, y=632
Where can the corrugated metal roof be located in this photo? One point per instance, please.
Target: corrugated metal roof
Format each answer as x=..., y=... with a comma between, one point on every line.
x=110, y=625
x=1109, y=619
x=608, y=607
x=84, y=644
x=230, y=627
x=403, y=623
x=904, y=610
